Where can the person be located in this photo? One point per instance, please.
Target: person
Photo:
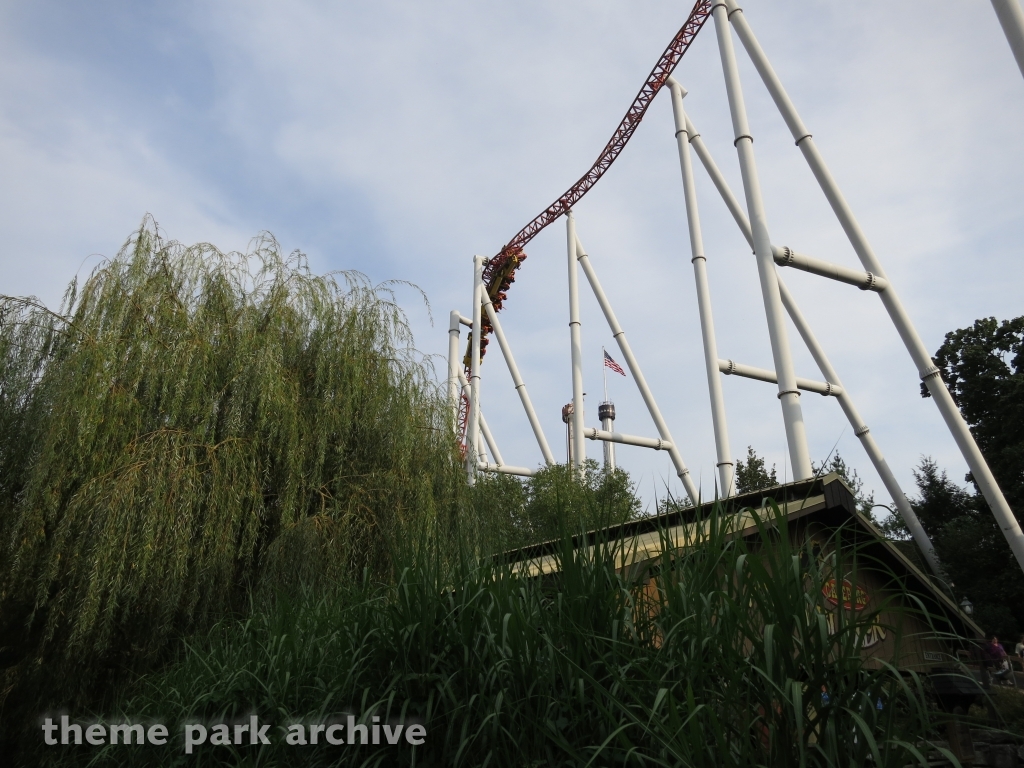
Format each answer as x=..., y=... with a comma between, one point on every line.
x=994, y=663
x=1018, y=650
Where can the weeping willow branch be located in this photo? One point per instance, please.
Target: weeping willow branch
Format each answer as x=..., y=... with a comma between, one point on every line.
x=193, y=423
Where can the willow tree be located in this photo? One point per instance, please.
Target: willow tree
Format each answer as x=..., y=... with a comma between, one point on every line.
x=191, y=424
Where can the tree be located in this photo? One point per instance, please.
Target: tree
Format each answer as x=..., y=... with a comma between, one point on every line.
x=753, y=475
x=970, y=548
x=983, y=367
x=556, y=500
x=191, y=425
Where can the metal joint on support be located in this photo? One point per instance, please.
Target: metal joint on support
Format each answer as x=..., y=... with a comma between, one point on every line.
x=785, y=392
x=929, y=373
x=861, y=431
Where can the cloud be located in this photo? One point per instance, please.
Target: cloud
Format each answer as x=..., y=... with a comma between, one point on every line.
x=400, y=138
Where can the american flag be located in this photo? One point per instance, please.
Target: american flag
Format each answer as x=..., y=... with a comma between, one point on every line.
x=609, y=363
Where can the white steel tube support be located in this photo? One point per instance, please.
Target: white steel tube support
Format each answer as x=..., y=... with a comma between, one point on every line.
x=453, y=360
x=473, y=427
x=513, y=369
x=1011, y=19
x=700, y=274
x=491, y=442
x=609, y=438
x=860, y=429
x=579, y=446
x=718, y=179
x=607, y=425
x=732, y=368
x=927, y=370
x=789, y=395
x=638, y=376
x=484, y=429
x=845, y=402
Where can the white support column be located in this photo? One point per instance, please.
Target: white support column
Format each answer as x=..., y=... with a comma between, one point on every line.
x=492, y=444
x=718, y=179
x=513, y=369
x=846, y=403
x=890, y=300
x=473, y=427
x=789, y=395
x=860, y=429
x=638, y=376
x=579, y=446
x=1011, y=19
x=486, y=430
x=707, y=323
x=453, y=360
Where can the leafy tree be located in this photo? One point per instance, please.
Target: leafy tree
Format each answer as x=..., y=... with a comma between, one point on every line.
x=189, y=426
x=515, y=512
x=753, y=475
x=970, y=547
x=983, y=366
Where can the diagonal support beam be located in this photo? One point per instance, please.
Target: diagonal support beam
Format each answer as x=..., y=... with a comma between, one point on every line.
x=927, y=370
x=860, y=429
x=638, y=376
x=513, y=369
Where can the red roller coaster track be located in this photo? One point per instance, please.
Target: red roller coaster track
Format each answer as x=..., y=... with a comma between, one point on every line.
x=499, y=272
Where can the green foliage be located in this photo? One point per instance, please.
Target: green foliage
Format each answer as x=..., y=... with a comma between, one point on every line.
x=971, y=550
x=514, y=512
x=191, y=425
x=728, y=662
x=753, y=475
x=983, y=366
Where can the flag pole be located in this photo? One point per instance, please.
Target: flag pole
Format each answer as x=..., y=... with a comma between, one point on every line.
x=604, y=371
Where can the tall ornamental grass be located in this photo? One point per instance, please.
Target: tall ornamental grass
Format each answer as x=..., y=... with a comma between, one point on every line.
x=192, y=425
x=727, y=660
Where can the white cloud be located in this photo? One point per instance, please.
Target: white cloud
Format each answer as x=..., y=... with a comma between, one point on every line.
x=400, y=138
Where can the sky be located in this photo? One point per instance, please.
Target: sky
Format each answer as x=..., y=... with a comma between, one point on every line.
x=401, y=138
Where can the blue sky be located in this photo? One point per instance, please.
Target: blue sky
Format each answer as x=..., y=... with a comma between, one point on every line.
x=400, y=138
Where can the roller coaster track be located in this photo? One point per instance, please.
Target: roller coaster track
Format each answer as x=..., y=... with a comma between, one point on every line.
x=499, y=271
